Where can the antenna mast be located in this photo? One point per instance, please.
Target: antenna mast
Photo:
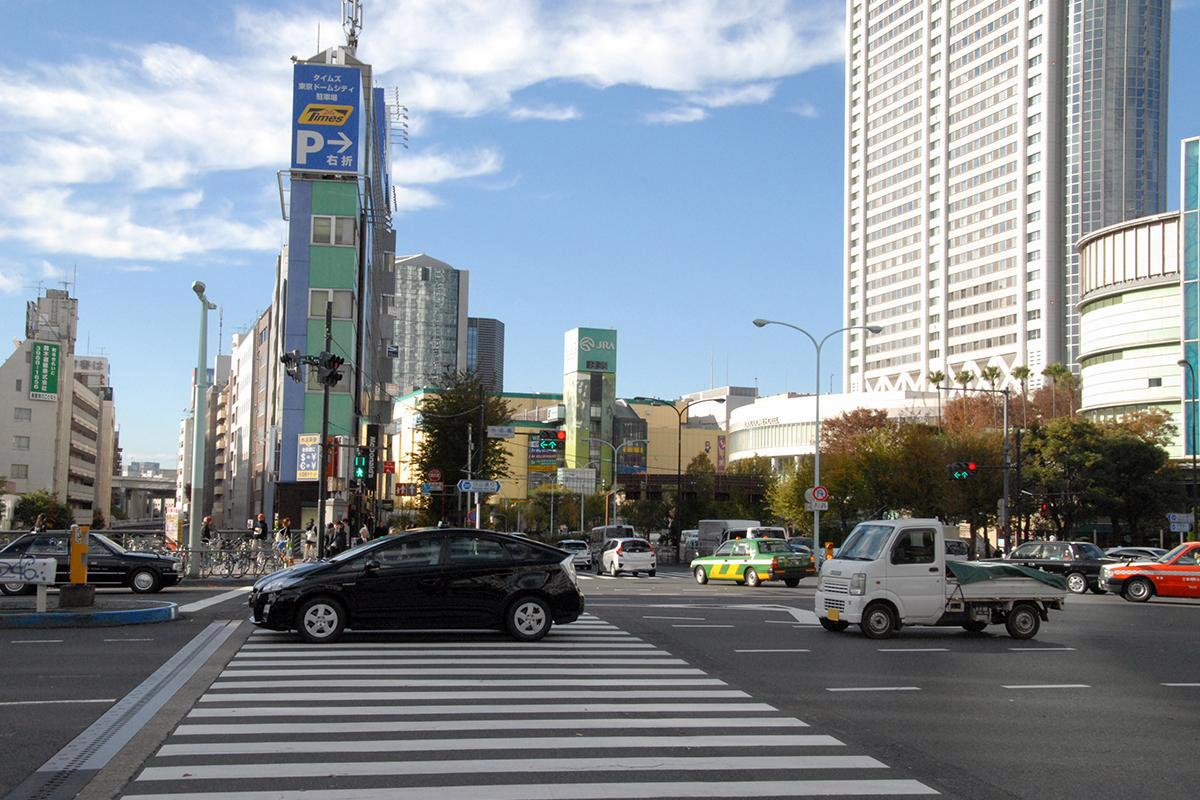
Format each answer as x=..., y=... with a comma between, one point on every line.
x=352, y=15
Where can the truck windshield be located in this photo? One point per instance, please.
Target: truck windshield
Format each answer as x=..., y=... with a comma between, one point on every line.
x=866, y=543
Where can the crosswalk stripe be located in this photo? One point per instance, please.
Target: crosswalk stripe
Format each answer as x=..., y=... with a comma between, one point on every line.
x=389, y=683
x=533, y=662
x=548, y=643
x=415, y=726
x=582, y=669
x=336, y=769
x=722, y=710
x=400, y=655
x=575, y=694
x=499, y=743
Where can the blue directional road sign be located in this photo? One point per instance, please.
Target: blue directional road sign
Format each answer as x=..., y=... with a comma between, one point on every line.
x=483, y=487
x=326, y=118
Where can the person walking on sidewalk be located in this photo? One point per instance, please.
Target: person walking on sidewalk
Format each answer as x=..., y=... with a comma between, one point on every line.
x=260, y=537
x=310, y=541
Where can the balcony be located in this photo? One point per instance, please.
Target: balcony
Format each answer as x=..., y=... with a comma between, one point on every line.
x=80, y=492
x=82, y=469
x=78, y=442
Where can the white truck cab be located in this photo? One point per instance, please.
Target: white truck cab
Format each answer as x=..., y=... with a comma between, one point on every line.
x=891, y=573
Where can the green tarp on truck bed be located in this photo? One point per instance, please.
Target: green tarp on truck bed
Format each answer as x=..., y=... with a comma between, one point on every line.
x=975, y=571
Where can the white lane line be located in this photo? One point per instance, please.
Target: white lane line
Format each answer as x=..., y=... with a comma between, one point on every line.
x=690, y=625
x=649, y=660
x=873, y=689
x=496, y=743
x=685, y=619
x=466, y=683
x=773, y=651
x=583, y=791
x=1046, y=686
x=465, y=647
x=36, y=641
x=458, y=767
x=406, y=725
x=335, y=694
x=575, y=709
x=56, y=702
x=1181, y=685
x=1039, y=649
x=914, y=649
x=129, y=640
x=582, y=669
x=212, y=601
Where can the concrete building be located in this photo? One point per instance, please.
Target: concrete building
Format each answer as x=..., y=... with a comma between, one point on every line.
x=485, y=351
x=971, y=126
x=429, y=312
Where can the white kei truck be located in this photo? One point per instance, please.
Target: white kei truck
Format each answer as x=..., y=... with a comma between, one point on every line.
x=891, y=573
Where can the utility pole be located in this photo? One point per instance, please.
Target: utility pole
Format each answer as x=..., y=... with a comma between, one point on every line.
x=321, y=484
x=482, y=452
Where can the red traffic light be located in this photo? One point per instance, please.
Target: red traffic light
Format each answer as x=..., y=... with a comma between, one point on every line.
x=561, y=436
x=971, y=466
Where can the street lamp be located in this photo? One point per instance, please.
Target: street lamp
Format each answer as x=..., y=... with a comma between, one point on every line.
x=761, y=323
x=1183, y=362
x=679, y=441
x=199, y=424
x=616, y=451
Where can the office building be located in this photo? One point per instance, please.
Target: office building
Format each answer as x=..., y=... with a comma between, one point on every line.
x=429, y=314
x=485, y=351
x=971, y=127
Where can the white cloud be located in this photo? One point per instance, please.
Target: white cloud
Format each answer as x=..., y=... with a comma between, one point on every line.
x=807, y=110
x=135, y=267
x=549, y=113
x=749, y=94
x=433, y=166
x=676, y=116
x=9, y=282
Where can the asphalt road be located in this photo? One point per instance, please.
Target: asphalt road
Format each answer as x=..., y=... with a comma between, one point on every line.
x=1083, y=709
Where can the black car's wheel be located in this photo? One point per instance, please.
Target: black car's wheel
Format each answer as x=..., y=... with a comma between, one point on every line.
x=791, y=582
x=145, y=581
x=752, y=578
x=835, y=626
x=974, y=626
x=652, y=573
x=701, y=576
x=1138, y=590
x=1023, y=621
x=17, y=588
x=320, y=620
x=878, y=621
x=528, y=619
x=1077, y=583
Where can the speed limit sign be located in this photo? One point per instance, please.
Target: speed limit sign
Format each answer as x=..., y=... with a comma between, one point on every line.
x=820, y=494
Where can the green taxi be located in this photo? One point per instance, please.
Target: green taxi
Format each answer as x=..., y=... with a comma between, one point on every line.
x=752, y=561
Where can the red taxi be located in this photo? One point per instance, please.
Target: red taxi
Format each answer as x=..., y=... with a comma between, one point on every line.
x=1177, y=574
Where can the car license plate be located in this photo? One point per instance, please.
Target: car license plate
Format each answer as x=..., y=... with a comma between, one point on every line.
x=833, y=614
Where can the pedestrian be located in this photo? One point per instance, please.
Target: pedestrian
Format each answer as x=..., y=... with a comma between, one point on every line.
x=287, y=545
x=206, y=531
x=39, y=524
x=310, y=541
x=260, y=535
x=364, y=534
x=341, y=535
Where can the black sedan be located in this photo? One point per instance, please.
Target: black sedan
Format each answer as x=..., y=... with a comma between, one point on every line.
x=109, y=564
x=427, y=578
x=1079, y=562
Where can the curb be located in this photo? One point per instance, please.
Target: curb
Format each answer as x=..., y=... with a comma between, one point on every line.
x=164, y=612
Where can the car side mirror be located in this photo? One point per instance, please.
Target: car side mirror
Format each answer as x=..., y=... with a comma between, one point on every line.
x=371, y=565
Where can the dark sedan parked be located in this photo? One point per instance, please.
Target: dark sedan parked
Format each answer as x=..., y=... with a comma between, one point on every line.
x=109, y=564
x=428, y=578
x=1080, y=562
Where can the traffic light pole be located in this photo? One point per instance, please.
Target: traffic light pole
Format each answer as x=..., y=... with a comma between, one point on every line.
x=321, y=483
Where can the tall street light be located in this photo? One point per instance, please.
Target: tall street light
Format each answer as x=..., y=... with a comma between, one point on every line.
x=1183, y=362
x=817, y=404
x=199, y=424
x=616, y=451
x=679, y=442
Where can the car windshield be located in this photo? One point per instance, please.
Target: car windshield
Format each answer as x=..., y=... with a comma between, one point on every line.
x=1171, y=555
x=866, y=543
x=1090, y=550
x=116, y=548
x=346, y=555
x=572, y=545
x=772, y=546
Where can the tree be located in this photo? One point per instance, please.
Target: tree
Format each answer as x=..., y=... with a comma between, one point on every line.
x=647, y=513
x=42, y=502
x=450, y=418
x=964, y=378
x=937, y=378
x=98, y=523
x=1021, y=374
x=1056, y=373
x=1061, y=467
x=992, y=375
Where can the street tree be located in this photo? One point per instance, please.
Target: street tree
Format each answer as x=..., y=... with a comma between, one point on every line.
x=937, y=378
x=44, y=503
x=1021, y=374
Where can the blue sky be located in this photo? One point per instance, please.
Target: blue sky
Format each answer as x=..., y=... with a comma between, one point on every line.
x=672, y=170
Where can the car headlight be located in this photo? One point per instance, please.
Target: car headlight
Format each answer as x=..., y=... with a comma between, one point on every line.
x=276, y=585
x=858, y=583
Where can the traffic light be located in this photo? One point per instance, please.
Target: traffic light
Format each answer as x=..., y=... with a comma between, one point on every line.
x=328, y=369
x=360, y=463
x=963, y=470
x=291, y=364
x=552, y=440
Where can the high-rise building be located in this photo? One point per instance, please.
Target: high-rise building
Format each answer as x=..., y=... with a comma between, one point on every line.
x=485, y=351
x=969, y=132
x=430, y=318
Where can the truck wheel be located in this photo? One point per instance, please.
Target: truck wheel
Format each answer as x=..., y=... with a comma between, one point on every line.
x=752, y=577
x=974, y=626
x=1077, y=583
x=701, y=577
x=834, y=627
x=1023, y=621
x=791, y=582
x=1138, y=590
x=878, y=621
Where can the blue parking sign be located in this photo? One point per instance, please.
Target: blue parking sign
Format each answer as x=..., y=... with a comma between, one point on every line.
x=327, y=118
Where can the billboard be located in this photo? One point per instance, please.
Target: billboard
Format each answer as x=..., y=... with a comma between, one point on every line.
x=327, y=118
x=308, y=456
x=44, y=364
x=591, y=350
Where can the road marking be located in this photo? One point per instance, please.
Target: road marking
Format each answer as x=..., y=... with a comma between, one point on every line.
x=772, y=651
x=1181, y=685
x=55, y=702
x=1046, y=686
x=466, y=683
x=914, y=649
x=496, y=743
x=874, y=689
x=392, y=662
x=403, y=725
x=490, y=766
x=686, y=619
x=701, y=626
x=36, y=641
x=1038, y=649
x=582, y=669
x=334, y=694
x=129, y=640
x=548, y=643
x=575, y=709
x=212, y=601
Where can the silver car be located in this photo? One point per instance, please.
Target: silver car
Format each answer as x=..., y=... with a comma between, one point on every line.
x=579, y=549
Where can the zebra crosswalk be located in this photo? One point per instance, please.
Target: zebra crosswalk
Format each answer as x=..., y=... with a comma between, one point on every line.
x=588, y=713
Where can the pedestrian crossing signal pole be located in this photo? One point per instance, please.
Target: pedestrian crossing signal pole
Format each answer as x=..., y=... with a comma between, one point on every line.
x=321, y=484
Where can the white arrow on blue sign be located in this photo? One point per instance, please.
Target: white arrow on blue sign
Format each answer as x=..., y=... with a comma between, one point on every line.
x=481, y=486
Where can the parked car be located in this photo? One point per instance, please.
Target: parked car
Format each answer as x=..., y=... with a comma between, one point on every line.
x=109, y=564
x=580, y=550
x=797, y=546
x=1175, y=574
x=1079, y=562
x=752, y=562
x=426, y=578
x=1138, y=553
x=627, y=555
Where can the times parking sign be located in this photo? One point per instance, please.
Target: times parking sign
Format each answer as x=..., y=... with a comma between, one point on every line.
x=327, y=118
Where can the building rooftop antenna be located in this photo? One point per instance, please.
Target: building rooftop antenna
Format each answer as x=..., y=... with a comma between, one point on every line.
x=352, y=22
